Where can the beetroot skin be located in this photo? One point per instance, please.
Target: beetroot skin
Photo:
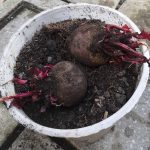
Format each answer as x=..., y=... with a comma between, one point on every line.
x=70, y=83
x=81, y=41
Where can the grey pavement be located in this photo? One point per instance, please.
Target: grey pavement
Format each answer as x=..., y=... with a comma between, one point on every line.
x=7, y=124
x=130, y=133
x=7, y=6
x=29, y=140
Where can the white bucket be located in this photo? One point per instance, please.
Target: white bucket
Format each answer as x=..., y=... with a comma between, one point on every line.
x=27, y=31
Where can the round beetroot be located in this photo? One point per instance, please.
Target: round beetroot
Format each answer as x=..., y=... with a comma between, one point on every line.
x=84, y=45
x=69, y=83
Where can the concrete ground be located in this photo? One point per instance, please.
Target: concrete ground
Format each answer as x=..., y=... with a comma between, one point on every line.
x=131, y=133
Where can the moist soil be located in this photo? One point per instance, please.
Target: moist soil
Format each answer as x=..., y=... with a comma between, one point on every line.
x=109, y=86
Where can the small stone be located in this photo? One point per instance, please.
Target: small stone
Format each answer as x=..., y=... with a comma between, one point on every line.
x=124, y=79
x=121, y=90
x=21, y=75
x=49, y=59
x=122, y=73
x=120, y=98
x=107, y=94
x=106, y=114
x=118, y=95
x=96, y=90
x=101, y=97
x=99, y=100
x=80, y=109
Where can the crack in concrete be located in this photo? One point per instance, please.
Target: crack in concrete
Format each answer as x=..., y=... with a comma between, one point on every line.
x=64, y=143
x=12, y=137
x=66, y=1
x=120, y=4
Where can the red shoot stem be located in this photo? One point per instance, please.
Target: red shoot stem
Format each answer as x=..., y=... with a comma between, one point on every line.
x=126, y=49
x=20, y=81
x=17, y=96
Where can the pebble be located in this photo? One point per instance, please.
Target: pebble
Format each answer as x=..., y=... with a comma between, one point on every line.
x=124, y=79
x=49, y=59
x=96, y=90
x=99, y=100
x=80, y=109
x=118, y=95
x=21, y=75
x=121, y=90
x=107, y=94
x=105, y=115
x=120, y=98
x=122, y=73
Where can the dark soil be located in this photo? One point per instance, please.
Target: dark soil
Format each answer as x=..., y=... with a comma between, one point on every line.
x=109, y=85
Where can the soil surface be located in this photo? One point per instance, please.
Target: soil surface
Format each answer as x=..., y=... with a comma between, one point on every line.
x=109, y=86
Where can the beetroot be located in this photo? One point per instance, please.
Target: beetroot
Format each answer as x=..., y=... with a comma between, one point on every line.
x=80, y=45
x=89, y=42
x=70, y=83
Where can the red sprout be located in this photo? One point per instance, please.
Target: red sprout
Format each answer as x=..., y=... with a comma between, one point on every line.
x=49, y=66
x=136, y=44
x=112, y=51
x=42, y=74
x=131, y=55
x=127, y=49
x=121, y=44
x=17, y=96
x=133, y=60
x=36, y=73
x=143, y=35
x=20, y=81
x=124, y=28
